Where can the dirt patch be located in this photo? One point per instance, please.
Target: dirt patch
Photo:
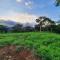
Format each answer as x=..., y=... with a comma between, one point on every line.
x=15, y=53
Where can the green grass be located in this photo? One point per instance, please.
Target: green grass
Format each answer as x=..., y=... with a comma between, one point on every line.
x=46, y=45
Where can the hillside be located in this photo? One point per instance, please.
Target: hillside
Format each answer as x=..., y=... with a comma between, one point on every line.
x=45, y=45
x=8, y=23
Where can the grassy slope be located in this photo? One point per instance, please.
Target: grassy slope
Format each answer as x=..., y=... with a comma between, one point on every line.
x=44, y=44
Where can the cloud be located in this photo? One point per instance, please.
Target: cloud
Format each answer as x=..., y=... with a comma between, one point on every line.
x=18, y=1
x=29, y=4
x=26, y=3
x=19, y=17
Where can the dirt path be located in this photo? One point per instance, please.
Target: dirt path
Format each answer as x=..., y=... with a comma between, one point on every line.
x=13, y=53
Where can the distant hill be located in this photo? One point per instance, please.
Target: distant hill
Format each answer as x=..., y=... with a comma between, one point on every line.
x=11, y=23
x=8, y=23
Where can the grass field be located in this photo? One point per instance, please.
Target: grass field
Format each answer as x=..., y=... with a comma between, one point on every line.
x=42, y=44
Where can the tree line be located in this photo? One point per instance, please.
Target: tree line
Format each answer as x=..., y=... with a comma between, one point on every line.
x=43, y=24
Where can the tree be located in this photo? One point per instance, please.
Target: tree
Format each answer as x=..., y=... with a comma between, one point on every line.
x=37, y=27
x=3, y=29
x=57, y=28
x=40, y=22
x=17, y=28
x=48, y=23
x=28, y=27
x=57, y=2
x=45, y=22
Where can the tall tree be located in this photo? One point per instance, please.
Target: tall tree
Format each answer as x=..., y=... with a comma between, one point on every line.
x=48, y=23
x=40, y=22
x=44, y=21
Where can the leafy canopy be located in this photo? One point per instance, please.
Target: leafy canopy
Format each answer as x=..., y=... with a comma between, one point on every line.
x=57, y=2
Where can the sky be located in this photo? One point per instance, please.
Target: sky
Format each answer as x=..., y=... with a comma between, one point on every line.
x=28, y=10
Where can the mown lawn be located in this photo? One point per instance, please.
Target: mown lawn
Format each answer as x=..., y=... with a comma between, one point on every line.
x=46, y=45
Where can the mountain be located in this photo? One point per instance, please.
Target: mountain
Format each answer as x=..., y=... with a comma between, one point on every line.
x=11, y=23
x=8, y=23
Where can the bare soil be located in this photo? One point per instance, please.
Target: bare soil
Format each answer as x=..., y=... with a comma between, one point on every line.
x=13, y=53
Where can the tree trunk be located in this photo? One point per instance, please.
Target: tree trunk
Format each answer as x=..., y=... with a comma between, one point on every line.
x=40, y=28
x=51, y=29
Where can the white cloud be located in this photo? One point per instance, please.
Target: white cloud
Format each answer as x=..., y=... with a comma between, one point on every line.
x=19, y=17
x=18, y=1
x=29, y=4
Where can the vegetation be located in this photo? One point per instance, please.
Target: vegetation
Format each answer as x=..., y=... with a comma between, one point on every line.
x=43, y=44
x=42, y=39
x=17, y=28
x=45, y=22
x=57, y=2
x=3, y=29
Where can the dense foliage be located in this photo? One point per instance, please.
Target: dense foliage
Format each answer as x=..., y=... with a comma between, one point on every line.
x=57, y=2
x=45, y=45
x=20, y=28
